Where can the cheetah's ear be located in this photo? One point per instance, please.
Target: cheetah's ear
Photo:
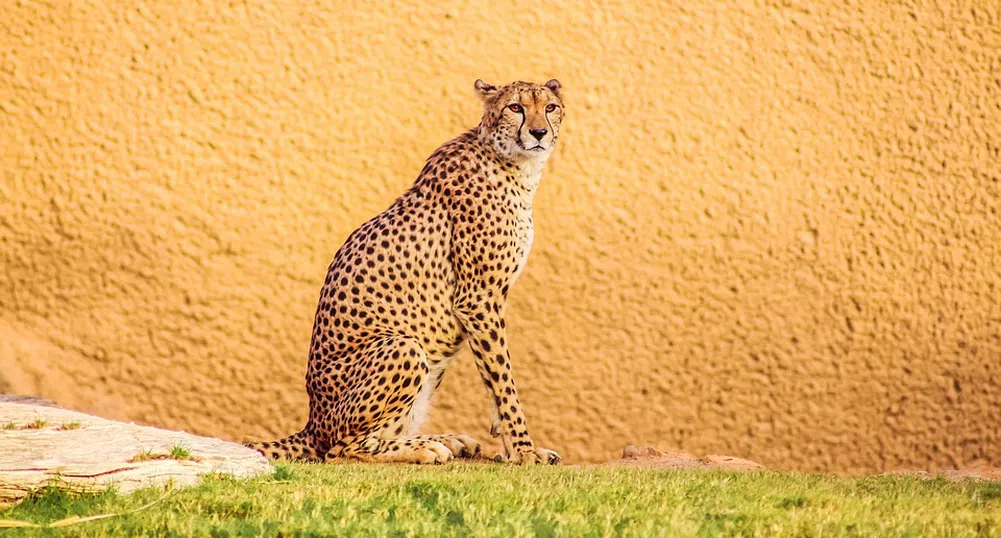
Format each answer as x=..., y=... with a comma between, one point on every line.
x=484, y=90
x=555, y=87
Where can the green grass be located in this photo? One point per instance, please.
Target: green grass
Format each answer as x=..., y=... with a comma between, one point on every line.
x=177, y=452
x=75, y=425
x=495, y=500
x=145, y=455
x=37, y=424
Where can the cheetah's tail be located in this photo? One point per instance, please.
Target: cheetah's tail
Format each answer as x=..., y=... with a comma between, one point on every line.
x=298, y=446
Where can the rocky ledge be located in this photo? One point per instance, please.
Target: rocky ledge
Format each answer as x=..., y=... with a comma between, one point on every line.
x=42, y=445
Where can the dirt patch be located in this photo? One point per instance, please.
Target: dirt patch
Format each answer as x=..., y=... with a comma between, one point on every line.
x=28, y=400
x=975, y=472
x=649, y=457
x=655, y=458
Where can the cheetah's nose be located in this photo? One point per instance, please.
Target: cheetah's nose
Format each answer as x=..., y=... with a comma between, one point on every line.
x=538, y=133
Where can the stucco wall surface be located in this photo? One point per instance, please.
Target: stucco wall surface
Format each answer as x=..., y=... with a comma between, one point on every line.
x=770, y=229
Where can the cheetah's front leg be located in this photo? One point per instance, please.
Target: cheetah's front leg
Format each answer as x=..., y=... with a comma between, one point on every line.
x=488, y=339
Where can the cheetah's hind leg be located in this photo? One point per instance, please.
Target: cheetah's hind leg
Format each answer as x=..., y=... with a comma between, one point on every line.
x=378, y=419
x=406, y=450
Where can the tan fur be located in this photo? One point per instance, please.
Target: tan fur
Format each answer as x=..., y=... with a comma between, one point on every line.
x=411, y=285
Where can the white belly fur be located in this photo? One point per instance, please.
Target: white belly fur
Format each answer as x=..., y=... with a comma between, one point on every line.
x=422, y=404
x=526, y=235
x=526, y=247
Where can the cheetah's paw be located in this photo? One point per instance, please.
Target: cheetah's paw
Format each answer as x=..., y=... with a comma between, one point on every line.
x=461, y=446
x=431, y=453
x=530, y=456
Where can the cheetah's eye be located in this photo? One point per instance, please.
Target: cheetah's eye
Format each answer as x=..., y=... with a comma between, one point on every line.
x=550, y=107
x=515, y=107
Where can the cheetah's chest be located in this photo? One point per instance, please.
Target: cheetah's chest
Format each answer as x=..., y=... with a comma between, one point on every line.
x=524, y=235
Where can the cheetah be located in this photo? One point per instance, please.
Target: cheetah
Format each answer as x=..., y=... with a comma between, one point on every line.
x=414, y=283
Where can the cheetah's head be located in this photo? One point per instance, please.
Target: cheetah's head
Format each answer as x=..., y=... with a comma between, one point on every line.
x=521, y=120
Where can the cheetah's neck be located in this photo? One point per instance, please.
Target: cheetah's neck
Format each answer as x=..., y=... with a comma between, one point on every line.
x=522, y=178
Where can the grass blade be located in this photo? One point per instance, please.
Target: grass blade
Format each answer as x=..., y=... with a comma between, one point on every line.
x=73, y=520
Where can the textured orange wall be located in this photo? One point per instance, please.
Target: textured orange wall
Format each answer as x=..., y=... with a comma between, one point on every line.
x=771, y=229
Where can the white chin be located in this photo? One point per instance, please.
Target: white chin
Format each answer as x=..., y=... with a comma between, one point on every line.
x=535, y=151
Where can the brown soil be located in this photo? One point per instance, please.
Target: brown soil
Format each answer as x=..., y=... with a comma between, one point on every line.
x=977, y=472
x=653, y=458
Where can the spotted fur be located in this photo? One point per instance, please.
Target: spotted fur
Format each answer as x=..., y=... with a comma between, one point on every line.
x=411, y=285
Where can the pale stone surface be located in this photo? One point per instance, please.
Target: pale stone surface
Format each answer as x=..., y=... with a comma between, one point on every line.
x=98, y=453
